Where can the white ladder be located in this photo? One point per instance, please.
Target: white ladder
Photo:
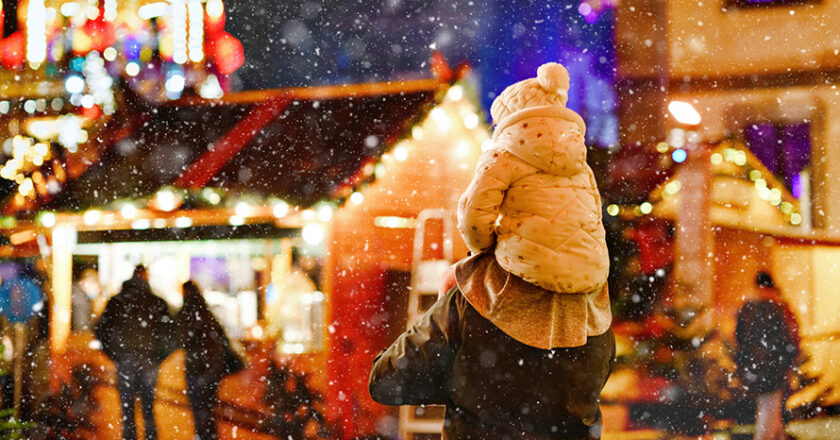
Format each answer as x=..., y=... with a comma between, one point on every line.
x=426, y=276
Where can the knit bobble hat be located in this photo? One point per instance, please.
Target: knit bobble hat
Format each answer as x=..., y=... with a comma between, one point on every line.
x=550, y=87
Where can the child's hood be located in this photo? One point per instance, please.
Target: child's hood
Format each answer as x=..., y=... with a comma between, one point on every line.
x=549, y=137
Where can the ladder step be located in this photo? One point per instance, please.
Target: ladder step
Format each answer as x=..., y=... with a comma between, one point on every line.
x=423, y=426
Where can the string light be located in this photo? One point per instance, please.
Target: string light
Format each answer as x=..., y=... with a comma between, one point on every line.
x=195, y=43
x=110, y=10
x=36, y=33
x=178, y=11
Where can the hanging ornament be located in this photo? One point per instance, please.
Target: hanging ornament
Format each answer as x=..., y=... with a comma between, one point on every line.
x=100, y=32
x=228, y=53
x=13, y=51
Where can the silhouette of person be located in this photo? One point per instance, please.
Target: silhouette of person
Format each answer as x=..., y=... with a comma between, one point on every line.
x=768, y=347
x=207, y=353
x=134, y=331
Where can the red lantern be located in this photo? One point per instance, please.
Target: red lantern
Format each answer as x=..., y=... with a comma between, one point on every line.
x=13, y=51
x=101, y=34
x=227, y=52
x=91, y=112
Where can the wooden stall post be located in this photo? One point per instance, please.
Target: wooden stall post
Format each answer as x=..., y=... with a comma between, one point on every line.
x=63, y=242
x=694, y=246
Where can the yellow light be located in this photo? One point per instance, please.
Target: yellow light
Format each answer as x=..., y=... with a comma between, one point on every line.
x=110, y=54
x=716, y=159
x=152, y=10
x=132, y=69
x=42, y=149
x=400, y=153
x=795, y=218
x=646, y=208
x=471, y=121
x=91, y=216
x=764, y=193
x=165, y=200
x=128, y=211
x=760, y=183
x=141, y=223
x=195, y=43
x=325, y=213
x=662, y=147
x=357, y=198
x=613, y=210
x=47, y=219
x=183, y=222
x=417, y=132
x=455, y=93
x=215, y=8
x=27, y=188
x=280, y=209
x=786, y=208
x=36, y=33
x=755, y=175
x=684, y=113
x=313, y=234
x=673, y=187
x=69, y=9
x=243, y=209
x=740, y=158
x=775, y=196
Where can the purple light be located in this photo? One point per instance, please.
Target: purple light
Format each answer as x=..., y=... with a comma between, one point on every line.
x=585, y=9
x=796, y=186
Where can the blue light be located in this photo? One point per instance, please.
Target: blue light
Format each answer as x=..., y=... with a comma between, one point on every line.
x=679, y=155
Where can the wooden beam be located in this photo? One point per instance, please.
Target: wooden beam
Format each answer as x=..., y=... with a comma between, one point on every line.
x=317, y=92
x=223, y=150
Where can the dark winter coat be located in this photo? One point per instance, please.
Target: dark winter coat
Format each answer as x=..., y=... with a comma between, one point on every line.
x=205, y=345
x=768, y=345
x=493, y=386
x=135, y=329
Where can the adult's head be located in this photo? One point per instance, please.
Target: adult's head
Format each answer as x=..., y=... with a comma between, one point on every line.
x=767, y=287
x=141, y=272
x=764, y=280
x=192, y=295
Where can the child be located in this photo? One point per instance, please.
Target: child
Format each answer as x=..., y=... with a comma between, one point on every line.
x=519, y=346
x=534, y=204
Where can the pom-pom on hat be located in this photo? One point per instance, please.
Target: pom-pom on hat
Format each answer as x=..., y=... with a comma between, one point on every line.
x=550, y=87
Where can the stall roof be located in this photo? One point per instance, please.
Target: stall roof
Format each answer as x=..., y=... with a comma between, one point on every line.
x=299, y=144
x=741, y=193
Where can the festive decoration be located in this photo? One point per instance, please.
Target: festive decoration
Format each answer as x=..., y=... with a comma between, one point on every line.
x=78, y=51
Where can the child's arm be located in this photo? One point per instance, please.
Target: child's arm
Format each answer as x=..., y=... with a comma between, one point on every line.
x=479, y=206
x=448, y=281
x=413, y=370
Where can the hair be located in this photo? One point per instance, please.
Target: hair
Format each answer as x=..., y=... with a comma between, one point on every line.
x=763, y=279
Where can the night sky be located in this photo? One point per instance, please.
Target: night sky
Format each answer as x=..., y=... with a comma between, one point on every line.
x=339, y=41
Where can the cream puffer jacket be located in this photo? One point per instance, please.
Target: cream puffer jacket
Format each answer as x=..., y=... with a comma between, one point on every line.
x=535, y=199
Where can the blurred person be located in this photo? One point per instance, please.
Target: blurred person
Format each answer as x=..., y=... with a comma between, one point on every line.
x=135, y=331
x=208, y=358
x=519, y=345
x=85, y=290
x=767, y=338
